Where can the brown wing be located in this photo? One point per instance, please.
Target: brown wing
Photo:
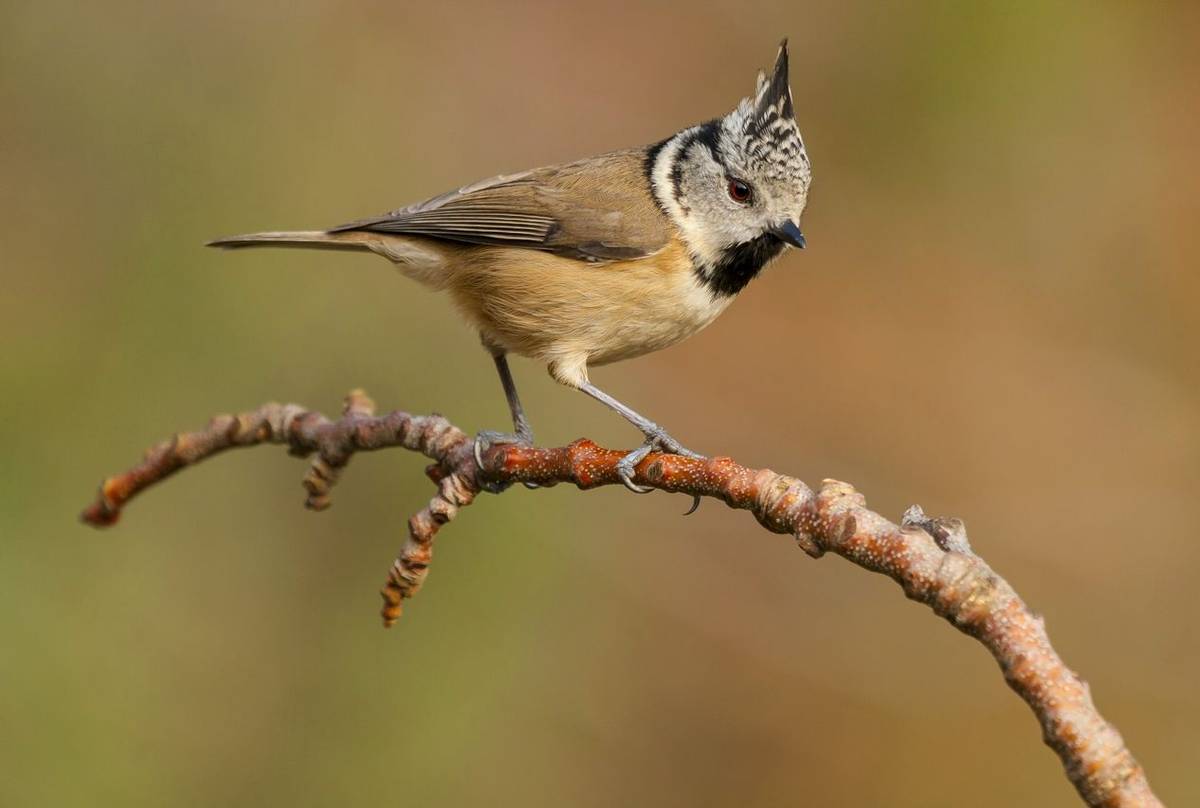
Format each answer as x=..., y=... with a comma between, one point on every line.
x=596, y=209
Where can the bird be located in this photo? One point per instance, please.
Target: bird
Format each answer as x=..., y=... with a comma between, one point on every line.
x=608, y=258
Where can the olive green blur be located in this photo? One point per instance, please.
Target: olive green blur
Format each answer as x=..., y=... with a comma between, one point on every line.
x=996, y=318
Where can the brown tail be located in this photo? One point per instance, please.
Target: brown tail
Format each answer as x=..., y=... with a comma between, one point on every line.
x=306, y=239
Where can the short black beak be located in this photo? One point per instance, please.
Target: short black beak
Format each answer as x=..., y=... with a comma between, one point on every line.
x=789, y=232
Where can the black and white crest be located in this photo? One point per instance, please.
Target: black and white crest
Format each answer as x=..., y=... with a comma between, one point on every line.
x=764, y=127
x=736, y=186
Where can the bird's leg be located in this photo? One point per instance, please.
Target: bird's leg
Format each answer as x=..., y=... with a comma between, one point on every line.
x=522, y=433
x=520, y=424
x=657, y=439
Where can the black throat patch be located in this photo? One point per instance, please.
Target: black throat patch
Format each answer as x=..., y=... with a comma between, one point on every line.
x=738, y=265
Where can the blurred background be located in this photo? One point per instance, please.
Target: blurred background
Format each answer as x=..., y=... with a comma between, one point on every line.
x=996, y=318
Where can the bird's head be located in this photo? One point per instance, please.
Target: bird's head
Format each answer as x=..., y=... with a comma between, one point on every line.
x=737, y=186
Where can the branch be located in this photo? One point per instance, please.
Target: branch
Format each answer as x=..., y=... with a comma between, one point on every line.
x=930, y=559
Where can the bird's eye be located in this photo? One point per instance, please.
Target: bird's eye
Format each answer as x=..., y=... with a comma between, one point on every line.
x=739, y=191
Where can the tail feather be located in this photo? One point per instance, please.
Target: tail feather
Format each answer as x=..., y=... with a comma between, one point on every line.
x=420, y=259
x=307, y=239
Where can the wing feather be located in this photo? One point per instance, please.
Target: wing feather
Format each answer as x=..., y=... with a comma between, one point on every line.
x=596, y=209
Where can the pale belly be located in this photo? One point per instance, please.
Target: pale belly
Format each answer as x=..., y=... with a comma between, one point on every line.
x=651, y=323
x=571, y=314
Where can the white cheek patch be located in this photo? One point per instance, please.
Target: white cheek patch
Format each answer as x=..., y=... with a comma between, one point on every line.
x=695, y=235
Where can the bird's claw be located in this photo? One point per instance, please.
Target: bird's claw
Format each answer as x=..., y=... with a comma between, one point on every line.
x=485, y=439
x=627, y=465
x=657, y=440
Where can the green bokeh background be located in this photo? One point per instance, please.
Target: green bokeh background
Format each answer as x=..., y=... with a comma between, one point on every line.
x=996, y=318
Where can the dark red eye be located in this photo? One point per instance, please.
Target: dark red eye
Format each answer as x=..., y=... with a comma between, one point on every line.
x=739, y=191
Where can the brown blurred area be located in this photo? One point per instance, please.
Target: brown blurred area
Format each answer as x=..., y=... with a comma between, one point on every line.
x=996, y=318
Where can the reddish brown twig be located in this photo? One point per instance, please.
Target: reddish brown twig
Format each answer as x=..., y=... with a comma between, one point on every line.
x=334, y=442
x=930, y=558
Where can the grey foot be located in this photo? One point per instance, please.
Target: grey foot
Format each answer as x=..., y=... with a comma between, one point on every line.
x=487, y=438
x=657, y=440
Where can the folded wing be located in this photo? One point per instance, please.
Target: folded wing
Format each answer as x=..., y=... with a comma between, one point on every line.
x=599, y=209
